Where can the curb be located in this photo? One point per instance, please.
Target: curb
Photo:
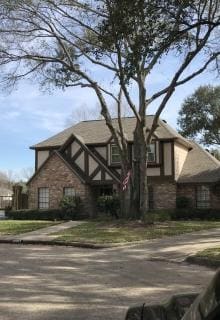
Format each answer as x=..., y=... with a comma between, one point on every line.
x=55, y=243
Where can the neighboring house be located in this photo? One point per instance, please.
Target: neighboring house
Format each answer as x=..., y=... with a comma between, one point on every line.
x=5, y=197
x=84, y=160
x=4, y=192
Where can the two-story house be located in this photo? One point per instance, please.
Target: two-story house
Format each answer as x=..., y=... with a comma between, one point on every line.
x=84, y=160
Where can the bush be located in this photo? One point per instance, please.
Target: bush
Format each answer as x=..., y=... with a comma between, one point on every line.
x=157, y=216
x=29, y=214
x=71, y=205
x=109, y=204
x=49, y=214
x=196, y=214
x=183, y=203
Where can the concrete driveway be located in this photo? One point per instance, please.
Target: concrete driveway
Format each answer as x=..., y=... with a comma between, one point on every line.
x=49, y=283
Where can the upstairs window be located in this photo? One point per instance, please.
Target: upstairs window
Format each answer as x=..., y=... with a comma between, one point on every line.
x=69, y=192
x=202, y=197
x=151, y=154
x=43, y=198
x=115, y=155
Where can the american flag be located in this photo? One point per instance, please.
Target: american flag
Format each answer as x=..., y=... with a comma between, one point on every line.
x=126, y=180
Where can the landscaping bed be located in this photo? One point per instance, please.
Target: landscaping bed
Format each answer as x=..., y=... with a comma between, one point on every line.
x=208, y=257
x=121, y=231
x=13, y=227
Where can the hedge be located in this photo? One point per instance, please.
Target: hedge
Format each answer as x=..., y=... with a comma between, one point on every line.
x=182, y=214
x=49, y=214
x=195, y=214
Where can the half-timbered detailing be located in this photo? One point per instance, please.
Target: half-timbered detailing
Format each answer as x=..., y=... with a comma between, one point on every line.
x=84, y=158
x=89, y=164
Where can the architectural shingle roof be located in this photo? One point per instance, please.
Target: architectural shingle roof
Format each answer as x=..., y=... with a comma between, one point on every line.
x=200, y=167
x=96, y=131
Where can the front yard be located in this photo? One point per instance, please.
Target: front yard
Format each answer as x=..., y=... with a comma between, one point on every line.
x=13, y=227
x=107, y=232
x=208, y=257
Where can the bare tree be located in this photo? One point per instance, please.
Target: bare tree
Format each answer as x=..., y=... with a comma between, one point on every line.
x=69, y=43
x=83, y=113
x=26, y=173
x=7, y=179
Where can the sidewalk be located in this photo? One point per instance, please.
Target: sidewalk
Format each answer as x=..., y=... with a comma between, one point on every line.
x=171, y=249
x=44, y=234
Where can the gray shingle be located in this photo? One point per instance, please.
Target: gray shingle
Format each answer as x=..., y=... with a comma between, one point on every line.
x=200, y=167
x=96, y=131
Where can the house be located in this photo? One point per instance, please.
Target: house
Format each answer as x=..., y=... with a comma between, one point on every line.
x=84, y=160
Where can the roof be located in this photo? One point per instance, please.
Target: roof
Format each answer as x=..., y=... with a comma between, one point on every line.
x=96, y=131
x=200, y=167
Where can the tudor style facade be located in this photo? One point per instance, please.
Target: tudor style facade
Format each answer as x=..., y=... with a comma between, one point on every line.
x=84, y=160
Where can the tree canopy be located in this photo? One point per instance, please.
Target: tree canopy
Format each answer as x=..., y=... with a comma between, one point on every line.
x=199, y=117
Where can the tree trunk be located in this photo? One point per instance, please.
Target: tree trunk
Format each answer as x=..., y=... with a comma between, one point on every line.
x=139, y=194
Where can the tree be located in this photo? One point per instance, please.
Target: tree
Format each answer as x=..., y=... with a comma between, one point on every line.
x=69, y=43
x=199, y=117
x=7, y=179
x=26, y=174
x=215, y=153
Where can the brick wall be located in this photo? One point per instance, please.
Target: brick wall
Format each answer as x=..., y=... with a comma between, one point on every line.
x=189, y=191
x=56, y=175
x=164, y=196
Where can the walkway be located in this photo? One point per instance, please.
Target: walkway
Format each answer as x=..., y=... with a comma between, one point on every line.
x=44, y=234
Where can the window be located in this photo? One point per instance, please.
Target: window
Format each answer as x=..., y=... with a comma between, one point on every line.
x=43, y=198
x=115, y=156
x=202, y=197
x=151, y=157
x=69, y=191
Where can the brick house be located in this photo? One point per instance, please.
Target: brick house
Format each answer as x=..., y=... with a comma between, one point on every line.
x=84, y=160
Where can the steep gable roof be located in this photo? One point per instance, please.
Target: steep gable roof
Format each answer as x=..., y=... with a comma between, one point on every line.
x=200, y=167
x=96, y=131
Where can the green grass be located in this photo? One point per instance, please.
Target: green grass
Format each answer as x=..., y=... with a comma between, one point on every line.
x=103, y=232
x=211, y=254
x=12, y=227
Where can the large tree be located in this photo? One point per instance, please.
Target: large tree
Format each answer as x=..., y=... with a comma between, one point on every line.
x=69, y=43
x=199, y=117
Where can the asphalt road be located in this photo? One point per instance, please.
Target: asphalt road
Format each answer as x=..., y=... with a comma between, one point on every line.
x=49, y=283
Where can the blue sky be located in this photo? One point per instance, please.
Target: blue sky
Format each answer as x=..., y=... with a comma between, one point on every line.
x=29, y=116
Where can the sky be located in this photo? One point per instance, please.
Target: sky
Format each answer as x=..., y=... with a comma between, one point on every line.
x=29, y=116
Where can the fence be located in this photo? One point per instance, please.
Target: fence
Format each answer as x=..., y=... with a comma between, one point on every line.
x=5, y=201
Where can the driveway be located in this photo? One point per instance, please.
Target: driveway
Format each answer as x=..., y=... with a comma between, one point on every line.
x=49, y=282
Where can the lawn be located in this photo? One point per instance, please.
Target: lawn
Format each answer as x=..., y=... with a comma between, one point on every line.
x=208, y=257
x=122, y=232
x=12, y=227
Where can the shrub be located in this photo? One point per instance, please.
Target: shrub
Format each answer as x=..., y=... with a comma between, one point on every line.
x=71, y=205
x=29, y=214
x=109, y=204
x=48, y=214
x=183, y=202
x=196, y=214
x=157, y=216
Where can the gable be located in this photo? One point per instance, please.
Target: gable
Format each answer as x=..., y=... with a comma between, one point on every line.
x=91, y=166
x=56, y=167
